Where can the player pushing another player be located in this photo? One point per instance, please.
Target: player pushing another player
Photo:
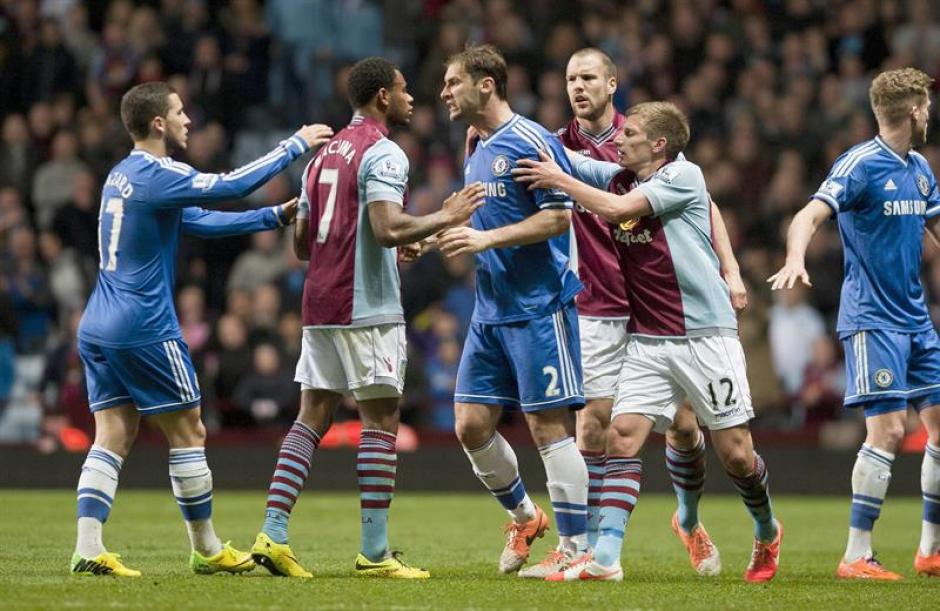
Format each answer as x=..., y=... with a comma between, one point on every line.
x=522, y=350
x=351, y=219
x=603, y=311
x=683, y=332
x=883, y=194
x=136, y=362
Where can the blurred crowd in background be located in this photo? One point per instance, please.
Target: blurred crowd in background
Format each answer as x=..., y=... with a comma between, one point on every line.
x=775, y=90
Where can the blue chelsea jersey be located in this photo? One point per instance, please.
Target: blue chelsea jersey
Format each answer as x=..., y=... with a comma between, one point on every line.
x=882, y=202
x=520, y=282
x=145, y=203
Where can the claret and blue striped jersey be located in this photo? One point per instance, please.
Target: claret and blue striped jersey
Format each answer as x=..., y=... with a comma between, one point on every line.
x=520, y=282
x=145, y=203
x=882, y=201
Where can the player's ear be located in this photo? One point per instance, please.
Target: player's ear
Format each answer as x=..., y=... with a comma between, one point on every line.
x=382, y=98
x=158, y=126
x=611, y=85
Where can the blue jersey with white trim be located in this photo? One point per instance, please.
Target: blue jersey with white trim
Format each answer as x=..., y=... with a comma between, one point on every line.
x=519, y=282
x=882, y=202
x=145, y=203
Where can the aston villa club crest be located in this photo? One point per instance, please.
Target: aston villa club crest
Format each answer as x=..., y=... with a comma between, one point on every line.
x=501, y=165
x=923, y=185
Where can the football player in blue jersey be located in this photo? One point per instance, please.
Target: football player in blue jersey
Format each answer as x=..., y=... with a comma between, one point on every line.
x=883, y=194
x=136, y=362
x=523, y=349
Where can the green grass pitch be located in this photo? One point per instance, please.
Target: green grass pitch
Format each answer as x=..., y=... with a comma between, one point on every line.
x=458, y=537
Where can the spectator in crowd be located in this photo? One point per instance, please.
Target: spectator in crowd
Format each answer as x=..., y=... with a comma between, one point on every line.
x=262, y=264
x=267, y=394
x=794, y=328
x=54, y=181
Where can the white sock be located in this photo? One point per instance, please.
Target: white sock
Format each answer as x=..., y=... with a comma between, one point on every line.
x=870, y=479
x=89, y=544
x=930, y=485
x=192, y=485
x=568, y=489
x=495, y=465
x=96, y=488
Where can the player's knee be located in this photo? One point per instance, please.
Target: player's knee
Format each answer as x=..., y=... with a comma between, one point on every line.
x=591, y=433
x=885, y=433
x=623, y=440
x=683, y=435
x=738, y=461
x=471, y=432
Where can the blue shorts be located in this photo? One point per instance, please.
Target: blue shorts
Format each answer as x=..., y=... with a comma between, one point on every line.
x=157, y=378
x=533, y=365
x=886, y=370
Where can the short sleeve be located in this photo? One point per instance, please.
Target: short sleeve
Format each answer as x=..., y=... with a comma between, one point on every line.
x=384, y=172
x=845, y=184
x=593, y=172
x=303, y=201
x=674, y=187
x=933, y=195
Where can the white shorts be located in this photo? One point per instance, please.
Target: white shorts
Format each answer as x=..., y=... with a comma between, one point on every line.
x=369, y=362
x=603, y=345
x=659, y=374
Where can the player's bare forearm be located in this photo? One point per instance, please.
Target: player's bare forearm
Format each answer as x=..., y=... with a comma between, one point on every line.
x=803, y=228
x=539, y=227
x=392, y=226
x=799, y=234
x=301, y=239
x=611, y=207
x=722, y=243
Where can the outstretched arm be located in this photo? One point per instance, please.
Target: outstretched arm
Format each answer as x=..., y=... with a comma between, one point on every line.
x=176, y=185
x=801, y=231
x=729, y=264
x=203, y=223
x=542, y=225
x=546, y=174
x=393, y=226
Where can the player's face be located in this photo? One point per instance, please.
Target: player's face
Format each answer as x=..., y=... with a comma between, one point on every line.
x=633, y=144
x=399, y=101
x=589, y=87
x=460, y=94
x=175, y=125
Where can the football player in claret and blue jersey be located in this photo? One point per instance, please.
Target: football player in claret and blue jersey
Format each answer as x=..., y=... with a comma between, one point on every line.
x=136, y=362
x=522, y=349
x=883, y=194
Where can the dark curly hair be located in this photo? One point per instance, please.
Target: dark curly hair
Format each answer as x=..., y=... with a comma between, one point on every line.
x=367, y=77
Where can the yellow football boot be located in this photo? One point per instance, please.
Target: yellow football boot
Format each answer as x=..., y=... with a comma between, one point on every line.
x=393, y=566
x=229, y=560
x=277, y=558
x=105, y=564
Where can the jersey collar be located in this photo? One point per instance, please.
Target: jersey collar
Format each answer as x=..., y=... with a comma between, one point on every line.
x=363, y=120
x=890, y=151
x=598, y=139
x=499, y=130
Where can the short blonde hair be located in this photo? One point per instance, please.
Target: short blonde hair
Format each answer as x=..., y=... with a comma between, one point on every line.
x=894, y=92
x=664, y=120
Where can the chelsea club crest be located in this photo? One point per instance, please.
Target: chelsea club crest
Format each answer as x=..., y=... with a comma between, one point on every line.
x=884, y=378
x=923, y=185
x=501, y=165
